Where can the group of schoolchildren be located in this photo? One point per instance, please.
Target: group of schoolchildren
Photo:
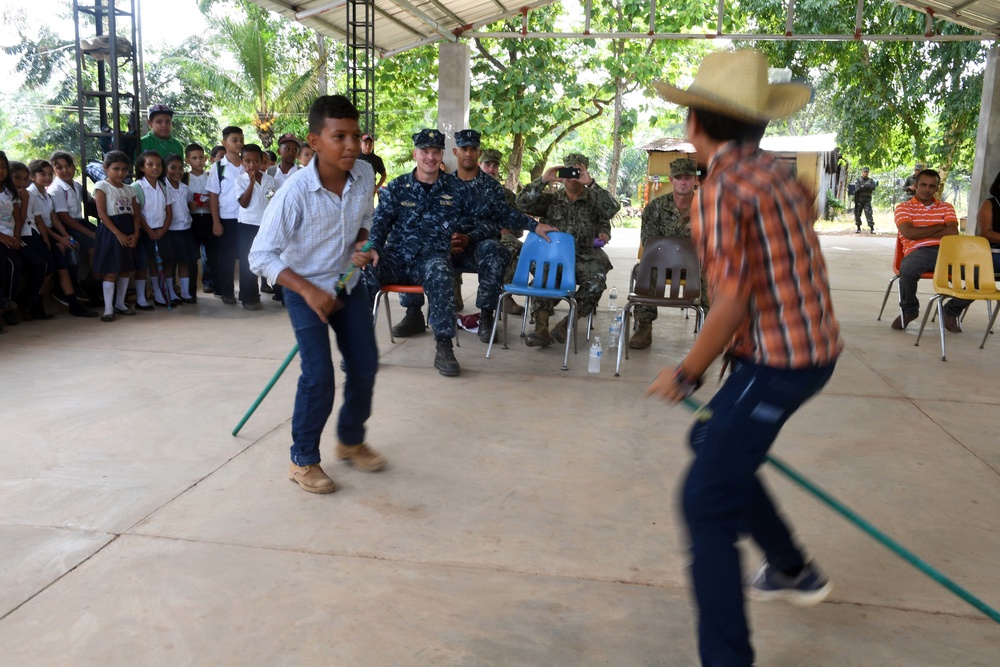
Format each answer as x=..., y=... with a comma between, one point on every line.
x=153, y=230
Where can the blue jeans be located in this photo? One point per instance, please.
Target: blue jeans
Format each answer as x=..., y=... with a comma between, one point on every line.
x=723, y=497
x=352, y=325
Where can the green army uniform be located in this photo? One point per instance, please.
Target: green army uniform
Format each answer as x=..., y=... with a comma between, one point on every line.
x=911, y=181
x=864, y=187
x=661, y=217
x=584, y=218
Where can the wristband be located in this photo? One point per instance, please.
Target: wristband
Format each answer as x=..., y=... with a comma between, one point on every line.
x=687, y=384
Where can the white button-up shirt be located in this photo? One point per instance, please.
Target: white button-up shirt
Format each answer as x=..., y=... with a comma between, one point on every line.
x=311, y=230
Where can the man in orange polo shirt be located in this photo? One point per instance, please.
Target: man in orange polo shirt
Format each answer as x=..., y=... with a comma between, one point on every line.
x=772, y=317
x=922, y=222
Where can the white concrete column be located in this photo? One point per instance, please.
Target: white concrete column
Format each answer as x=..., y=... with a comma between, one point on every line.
x=454, y=81
x=986, y=163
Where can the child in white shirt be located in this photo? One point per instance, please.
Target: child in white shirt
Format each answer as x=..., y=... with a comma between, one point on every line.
x=255, y=188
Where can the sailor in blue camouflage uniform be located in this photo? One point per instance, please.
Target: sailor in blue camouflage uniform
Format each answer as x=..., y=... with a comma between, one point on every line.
x=584, y=209
x=489, y=163
x=425, y=221
x=487, y=257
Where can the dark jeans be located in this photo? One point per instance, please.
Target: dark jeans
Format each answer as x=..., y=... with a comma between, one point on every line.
x=249, y=290
x=723, y=497
x=918, y=261
x=352, y=325
x=224, y=262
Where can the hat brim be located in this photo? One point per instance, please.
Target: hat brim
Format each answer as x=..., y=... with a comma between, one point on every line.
x=783, y=100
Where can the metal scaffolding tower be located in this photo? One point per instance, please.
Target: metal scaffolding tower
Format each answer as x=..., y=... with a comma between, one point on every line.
x=108, y=73
x=361, y=59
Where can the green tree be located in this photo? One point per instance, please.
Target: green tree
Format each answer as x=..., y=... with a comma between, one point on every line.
x=889, y=102
x=262, y=85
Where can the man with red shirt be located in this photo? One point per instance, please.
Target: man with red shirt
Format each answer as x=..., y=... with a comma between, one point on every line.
x=922, y=222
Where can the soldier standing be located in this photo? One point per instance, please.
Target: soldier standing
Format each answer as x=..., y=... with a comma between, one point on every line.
x=910, y=184
x=667, y=215
x=863, y=189
x=584, y=209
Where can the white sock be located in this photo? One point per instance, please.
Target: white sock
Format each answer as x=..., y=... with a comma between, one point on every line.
x=186, y=288
x=121, y=285
x=140, y=293
x=170, y=289
x=157, y=294
x=109, y=296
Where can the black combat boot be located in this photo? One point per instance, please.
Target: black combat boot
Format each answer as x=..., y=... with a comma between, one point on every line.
x=445, y=360
x=411, y=325
x=485, y=325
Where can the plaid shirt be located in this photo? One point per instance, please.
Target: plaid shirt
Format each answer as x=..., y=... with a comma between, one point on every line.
x=752, y=223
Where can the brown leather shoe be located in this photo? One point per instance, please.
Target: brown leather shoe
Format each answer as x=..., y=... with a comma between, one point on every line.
x=899, y=323
x=311, y=478
x=361, y=456
x=952, y=324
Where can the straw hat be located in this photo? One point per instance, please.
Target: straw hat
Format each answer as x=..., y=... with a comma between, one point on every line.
x=735, y=84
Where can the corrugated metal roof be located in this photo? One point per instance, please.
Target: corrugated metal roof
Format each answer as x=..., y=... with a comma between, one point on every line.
x=405, y=24
x=401, y=24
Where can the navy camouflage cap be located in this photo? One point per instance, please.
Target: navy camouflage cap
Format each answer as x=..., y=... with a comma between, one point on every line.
x=491, y=155
x=684, y=166
x=428, y=138
x=467, y=138
x=576, y=158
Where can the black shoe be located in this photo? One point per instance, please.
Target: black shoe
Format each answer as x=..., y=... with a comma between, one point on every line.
x=411, y=325
x=124, y=311
x=445, y=360
x=229, y=300
x=148, y=306
x=858, y=231
x=191, y=300
x=59, y=298
x=266, y=289
x=485, y=325
x=80, y=311
x=208, y=289
x=38, y=312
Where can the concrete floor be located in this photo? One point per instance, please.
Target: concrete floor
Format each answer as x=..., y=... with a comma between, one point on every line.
x=528, y=516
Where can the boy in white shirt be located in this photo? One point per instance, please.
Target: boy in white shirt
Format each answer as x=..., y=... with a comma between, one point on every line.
x=68, y=199
x=288, y=150
x=201, y=218
x=255, y=188
x=225, y=208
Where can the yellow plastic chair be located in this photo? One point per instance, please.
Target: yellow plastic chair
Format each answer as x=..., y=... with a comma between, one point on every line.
x=964, y=269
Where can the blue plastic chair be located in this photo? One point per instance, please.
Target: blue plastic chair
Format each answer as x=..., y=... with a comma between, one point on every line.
x=545, y=270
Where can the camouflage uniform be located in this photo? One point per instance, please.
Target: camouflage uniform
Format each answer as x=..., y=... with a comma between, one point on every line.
x=584, y=218
x=486, y=257
x=661, y=217
x=911, y=181
x=863, y=189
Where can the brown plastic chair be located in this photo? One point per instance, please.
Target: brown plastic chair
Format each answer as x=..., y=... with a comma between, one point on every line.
x=668, y=276
x=383, y=296
x=897, y=261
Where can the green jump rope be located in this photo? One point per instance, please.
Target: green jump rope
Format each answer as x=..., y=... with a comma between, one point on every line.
x=861, y=523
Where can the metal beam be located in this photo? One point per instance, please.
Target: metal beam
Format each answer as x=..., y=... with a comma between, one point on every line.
x=408, y=6
x=738, y=36
x=319, y=10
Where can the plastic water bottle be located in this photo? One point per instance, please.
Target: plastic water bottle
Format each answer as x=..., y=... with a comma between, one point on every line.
x=594, y=366
x=615, y=331
x=613, y=300
x=73, y=258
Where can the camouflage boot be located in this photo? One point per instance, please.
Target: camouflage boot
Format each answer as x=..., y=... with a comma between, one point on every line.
x=540, y=337
x=411, y=325
x=643, y=337
x=512, y=308
x=559, y=330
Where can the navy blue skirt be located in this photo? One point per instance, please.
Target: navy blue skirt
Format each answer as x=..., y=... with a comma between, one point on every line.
x=110, y=256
